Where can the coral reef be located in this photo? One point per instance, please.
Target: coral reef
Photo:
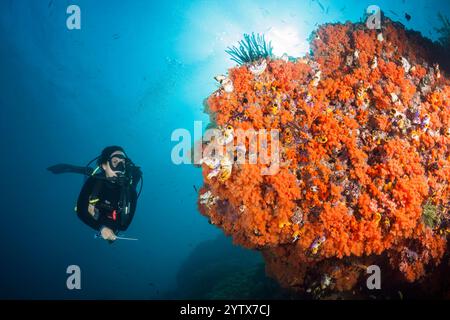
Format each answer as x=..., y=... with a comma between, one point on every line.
x=364, y=126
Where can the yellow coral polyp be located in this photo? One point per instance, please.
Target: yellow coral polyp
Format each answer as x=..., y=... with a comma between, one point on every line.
x=388, y=186
x=258, y=86
x=287, y=137
x=322, y=139
x=283, y=224
x=377, y=218
x=274, y=110
x=296, y=234
x=224, y=175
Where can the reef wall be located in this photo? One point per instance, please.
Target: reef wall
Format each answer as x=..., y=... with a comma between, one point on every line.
x=364, y=134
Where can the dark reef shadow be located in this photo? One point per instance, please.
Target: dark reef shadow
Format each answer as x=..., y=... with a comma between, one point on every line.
x=217, y=269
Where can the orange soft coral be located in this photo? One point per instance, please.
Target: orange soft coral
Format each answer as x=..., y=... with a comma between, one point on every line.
x=365, y=130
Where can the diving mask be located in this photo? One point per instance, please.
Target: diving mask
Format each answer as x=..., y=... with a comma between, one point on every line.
x=117, y=163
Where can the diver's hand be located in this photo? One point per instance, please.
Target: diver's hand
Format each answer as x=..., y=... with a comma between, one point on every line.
x=108, y=234
x=91, y=210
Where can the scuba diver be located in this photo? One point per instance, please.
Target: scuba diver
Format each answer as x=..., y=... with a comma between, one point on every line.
x=108, y=198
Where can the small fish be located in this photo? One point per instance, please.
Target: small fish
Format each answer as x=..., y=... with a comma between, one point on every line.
x=116, y=36
x=328, y=10
x=50, y=3
x=395, y=14
x=195, y=188
x=343, y=8
x=407, y=16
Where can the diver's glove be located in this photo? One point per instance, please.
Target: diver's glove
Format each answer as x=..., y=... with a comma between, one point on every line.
x=107, y=234
x=93, y=211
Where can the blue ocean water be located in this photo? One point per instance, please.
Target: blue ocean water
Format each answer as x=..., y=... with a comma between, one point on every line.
x=132, y=74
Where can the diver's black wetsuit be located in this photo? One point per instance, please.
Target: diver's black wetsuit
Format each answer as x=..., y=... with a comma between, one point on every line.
x=108, y=194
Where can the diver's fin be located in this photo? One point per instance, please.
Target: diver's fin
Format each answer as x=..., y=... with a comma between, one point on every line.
x=68, y=168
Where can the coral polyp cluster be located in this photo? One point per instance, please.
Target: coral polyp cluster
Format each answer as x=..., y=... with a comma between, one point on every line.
x=364, y=159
